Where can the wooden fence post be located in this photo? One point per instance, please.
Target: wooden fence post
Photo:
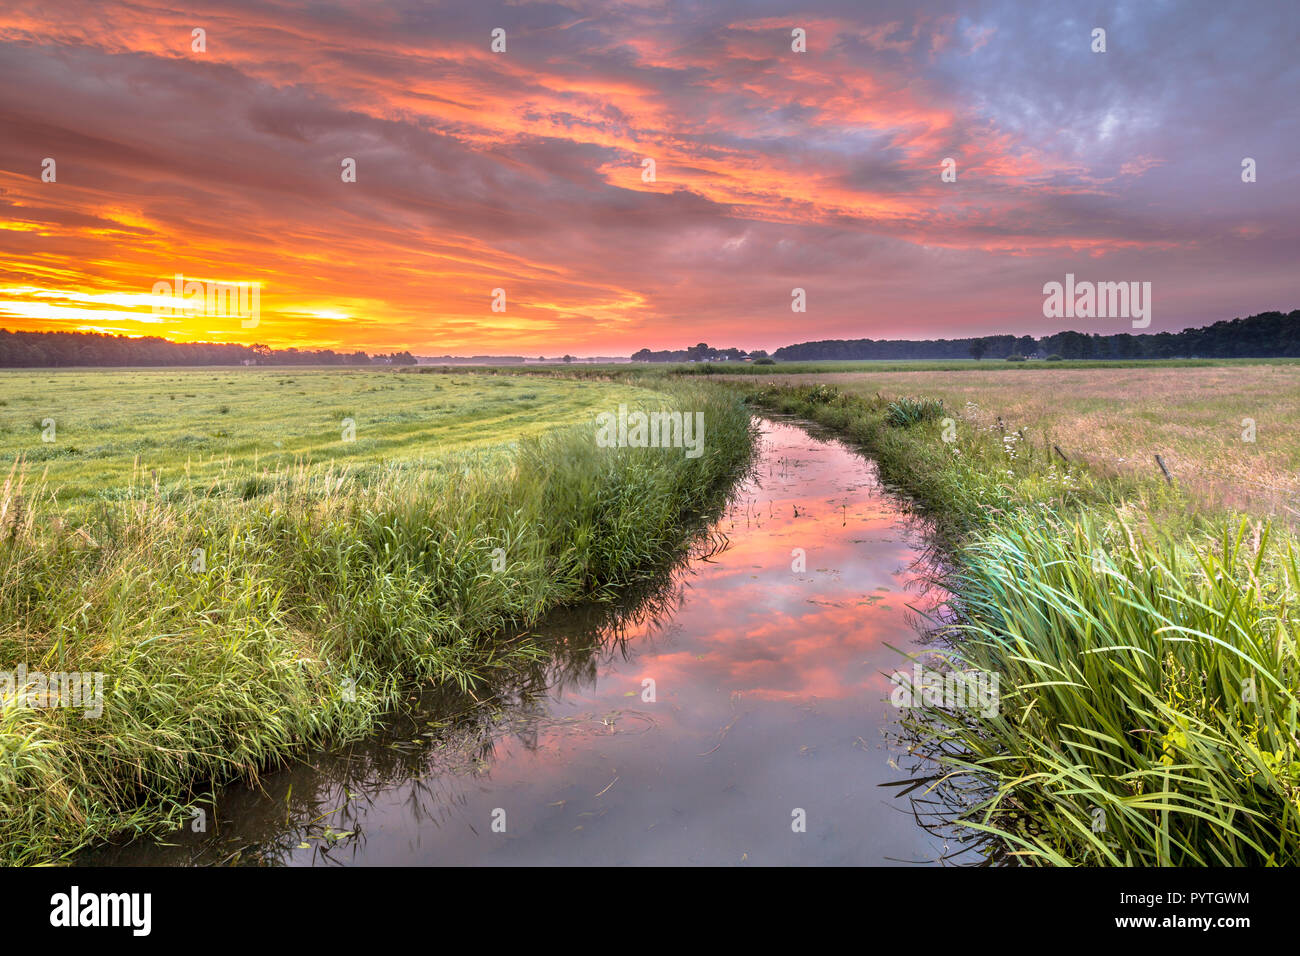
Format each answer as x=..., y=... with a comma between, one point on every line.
x=1161, y=462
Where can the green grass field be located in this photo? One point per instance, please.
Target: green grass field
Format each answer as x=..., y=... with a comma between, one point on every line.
x=114, y=429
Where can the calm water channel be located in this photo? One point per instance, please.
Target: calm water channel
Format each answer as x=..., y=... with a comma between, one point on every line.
x=770, y=696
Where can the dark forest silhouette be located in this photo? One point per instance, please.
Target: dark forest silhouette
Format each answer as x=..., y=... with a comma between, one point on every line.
x=1266, y=335
x=61, y=349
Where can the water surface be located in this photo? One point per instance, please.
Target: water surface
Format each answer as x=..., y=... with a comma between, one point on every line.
x=770, y=696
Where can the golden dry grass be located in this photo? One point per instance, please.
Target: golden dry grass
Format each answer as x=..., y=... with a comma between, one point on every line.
x=1120, y=419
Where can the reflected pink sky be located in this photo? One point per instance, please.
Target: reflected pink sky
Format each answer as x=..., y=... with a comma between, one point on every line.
x=771, y=696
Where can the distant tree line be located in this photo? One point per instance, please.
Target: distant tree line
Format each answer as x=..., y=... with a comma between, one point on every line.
x=475, y=359
x=54, y=349
x=1266, y=335
x=697, y=353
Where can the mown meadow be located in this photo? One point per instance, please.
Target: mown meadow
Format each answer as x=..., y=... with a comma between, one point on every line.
x=251, y=580
x=115, y=432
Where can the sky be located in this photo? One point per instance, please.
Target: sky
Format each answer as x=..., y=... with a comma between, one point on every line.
x=524, y=170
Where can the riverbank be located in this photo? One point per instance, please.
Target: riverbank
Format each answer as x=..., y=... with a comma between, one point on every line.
x=1144, y=648
x=237, y=623
x=684, y=727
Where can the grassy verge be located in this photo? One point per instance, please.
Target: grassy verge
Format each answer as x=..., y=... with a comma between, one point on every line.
x=236, y=624
x=1145, y=652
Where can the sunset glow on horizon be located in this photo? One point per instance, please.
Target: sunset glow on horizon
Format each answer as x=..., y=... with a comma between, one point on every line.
x=523, y=170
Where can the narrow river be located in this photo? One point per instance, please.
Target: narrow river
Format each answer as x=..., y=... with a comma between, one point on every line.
x=739, y=716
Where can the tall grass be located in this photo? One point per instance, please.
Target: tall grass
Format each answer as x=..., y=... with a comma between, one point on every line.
x=1148, y=669
x=906, y=412
x=1149, y=695
x=324, y=596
